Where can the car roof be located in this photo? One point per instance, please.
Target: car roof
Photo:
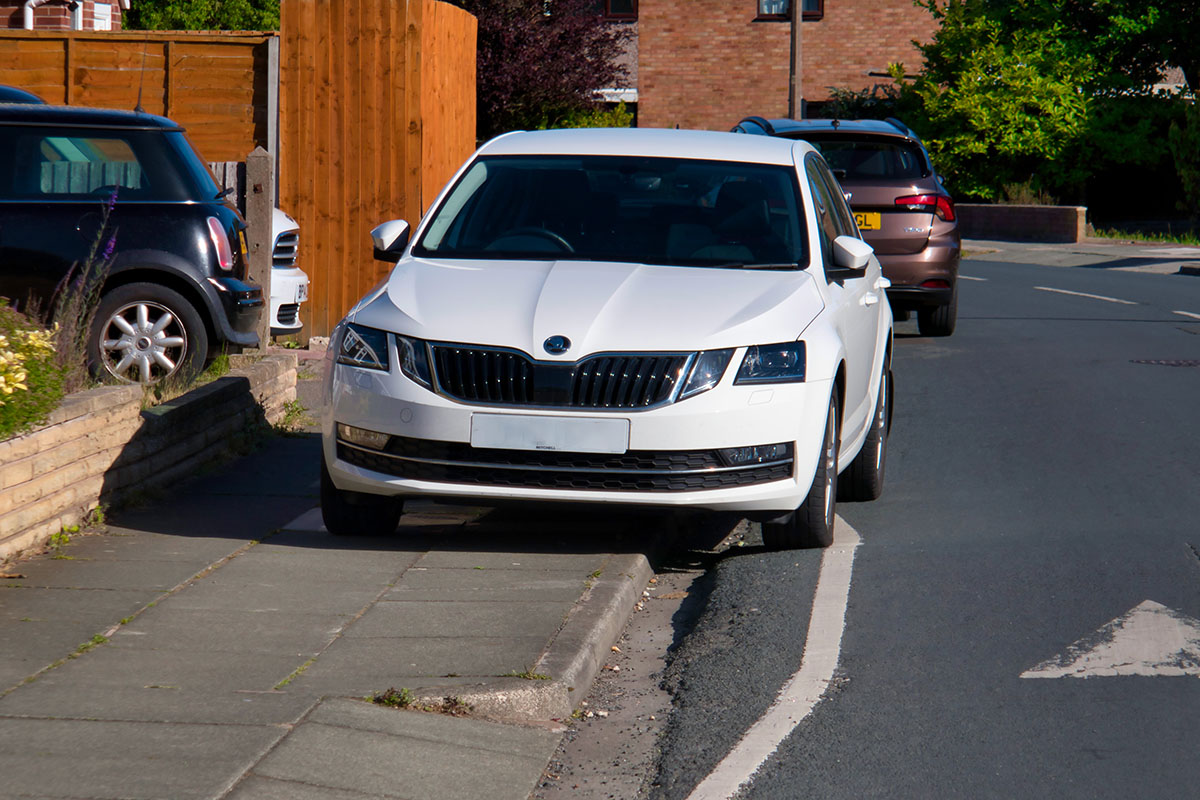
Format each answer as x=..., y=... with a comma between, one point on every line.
x=11, y=94
x=783, y=127
x=652, y=142
x=82, y=116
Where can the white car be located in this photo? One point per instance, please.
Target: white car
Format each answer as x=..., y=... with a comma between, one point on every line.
x=639, y=317
x=289, y=283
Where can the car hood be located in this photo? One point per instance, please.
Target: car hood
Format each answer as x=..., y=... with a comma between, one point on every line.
x=598, y=306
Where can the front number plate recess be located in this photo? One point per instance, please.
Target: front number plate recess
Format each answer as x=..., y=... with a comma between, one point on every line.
x=567, y=434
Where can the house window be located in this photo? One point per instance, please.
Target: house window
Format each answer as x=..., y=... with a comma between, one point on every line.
x=781, y=10
x=620, y=9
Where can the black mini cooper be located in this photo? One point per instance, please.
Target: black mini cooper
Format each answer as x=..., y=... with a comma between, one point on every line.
x=176, y=287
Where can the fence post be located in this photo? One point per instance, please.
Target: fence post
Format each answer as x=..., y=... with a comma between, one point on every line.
x=260, y=204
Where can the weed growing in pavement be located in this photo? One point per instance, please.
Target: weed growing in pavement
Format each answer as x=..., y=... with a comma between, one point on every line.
x=59, y=541
x=88, y=645
x=296, y=673
x=404, y=699
x=294, y=420
x=526, y=675
x=1188, y=237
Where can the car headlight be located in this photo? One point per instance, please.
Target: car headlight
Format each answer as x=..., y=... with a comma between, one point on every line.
x=773, y=363
x=706, y=373
x=414, y=360
x=361, y=346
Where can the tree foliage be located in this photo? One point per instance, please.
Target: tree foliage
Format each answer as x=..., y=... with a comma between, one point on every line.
x=1042, y=92
x=539, y=61
x=203, y=15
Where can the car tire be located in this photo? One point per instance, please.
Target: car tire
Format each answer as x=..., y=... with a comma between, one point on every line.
x=811, y=525
x=356, y=513
x=863, y=479
x=145, y=333
x=939, y=320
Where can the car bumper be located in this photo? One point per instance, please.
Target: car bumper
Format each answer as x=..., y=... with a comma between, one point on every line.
x=924, y=279
x=242, y=304
x=289, y=288
x=430, y=455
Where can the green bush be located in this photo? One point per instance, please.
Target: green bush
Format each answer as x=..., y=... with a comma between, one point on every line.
x=31, y=379
x=615, y=117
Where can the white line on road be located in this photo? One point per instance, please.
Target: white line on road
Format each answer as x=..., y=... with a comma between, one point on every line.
x=970, y=278
x=803, y=690
x=1186, y=314
x=1085, y=294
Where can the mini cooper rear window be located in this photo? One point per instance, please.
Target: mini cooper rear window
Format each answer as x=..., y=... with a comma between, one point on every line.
x=67, y=164
x=621, y=208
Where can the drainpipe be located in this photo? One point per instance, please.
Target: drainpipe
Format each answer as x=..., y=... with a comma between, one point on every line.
x=30, y=5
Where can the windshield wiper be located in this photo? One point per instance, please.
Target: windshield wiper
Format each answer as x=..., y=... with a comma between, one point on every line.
x=738, y=265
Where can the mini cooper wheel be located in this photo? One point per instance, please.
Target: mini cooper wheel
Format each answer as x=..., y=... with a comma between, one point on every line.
x=811, y=525
x=863, y=479
x=145, y=333
x=356, y=513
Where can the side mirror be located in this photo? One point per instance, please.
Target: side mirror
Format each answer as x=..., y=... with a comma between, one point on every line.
x=390, y=239
x=851, y=253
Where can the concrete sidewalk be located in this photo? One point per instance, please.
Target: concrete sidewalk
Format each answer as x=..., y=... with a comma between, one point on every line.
x=219, y=643
x=1093, y=253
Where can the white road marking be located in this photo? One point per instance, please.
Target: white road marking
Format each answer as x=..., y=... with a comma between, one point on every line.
x=1186, y=314
x=803, y=690
x=1149, y=640
x=970, y=278
x=1085, y=294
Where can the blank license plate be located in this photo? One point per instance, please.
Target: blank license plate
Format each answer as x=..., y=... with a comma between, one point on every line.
x=568, y=434
x=868, y=220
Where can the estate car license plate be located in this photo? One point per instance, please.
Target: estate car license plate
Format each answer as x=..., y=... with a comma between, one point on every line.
x=867, y=220
x=302, y=293
x=570, y=434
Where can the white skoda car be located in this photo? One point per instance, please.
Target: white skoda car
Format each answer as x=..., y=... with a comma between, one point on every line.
x=640, y=317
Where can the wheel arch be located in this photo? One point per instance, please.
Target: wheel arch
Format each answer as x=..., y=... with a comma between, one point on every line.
x=170, y=280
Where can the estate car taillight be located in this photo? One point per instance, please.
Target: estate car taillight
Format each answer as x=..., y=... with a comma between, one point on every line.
x=220, y=240
x=939, y=204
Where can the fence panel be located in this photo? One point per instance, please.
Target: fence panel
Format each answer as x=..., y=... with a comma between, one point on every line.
x=215, y=85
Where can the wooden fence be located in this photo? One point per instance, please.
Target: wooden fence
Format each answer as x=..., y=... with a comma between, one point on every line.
x=367, y=105
x=218, y=86
x=377, y=109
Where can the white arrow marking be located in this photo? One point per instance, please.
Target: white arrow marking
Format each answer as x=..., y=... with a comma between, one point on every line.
x=1149, y=640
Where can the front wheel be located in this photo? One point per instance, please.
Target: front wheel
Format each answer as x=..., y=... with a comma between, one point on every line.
x=356, y=513
x=145, y=333
x=811, y=525
x=863, y=479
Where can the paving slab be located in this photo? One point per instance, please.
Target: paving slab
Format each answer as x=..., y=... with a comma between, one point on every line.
x=100, y=760
x=172, y=627
x=352, y=746
x=487, y=585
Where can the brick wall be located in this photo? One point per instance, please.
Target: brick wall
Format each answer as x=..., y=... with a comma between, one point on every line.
x=708, y=63
x=99, y=446
x=55, y=15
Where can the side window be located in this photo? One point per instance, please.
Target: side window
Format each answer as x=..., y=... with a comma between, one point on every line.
x=827, y=222
x=63, y=166
x=845, y=217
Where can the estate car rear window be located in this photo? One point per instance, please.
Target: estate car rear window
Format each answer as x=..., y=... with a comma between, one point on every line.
x=64, y=163
x=621, y=208
x=870, y=158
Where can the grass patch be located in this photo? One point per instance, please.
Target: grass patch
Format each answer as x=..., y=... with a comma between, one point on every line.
x=527, y=675
x=404, y=699
x=1189, y=237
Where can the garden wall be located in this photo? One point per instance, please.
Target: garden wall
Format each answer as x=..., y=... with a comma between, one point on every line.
x=100, y=447
x=1015, y=223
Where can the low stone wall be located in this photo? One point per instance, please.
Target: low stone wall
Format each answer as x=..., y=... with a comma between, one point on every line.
x=99, y=446
x=1022, y=223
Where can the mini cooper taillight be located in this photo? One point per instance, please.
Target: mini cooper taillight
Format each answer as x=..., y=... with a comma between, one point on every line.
x=220, y=240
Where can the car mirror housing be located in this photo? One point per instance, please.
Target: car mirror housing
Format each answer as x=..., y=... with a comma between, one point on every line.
x=851, y=253
x=390, y=238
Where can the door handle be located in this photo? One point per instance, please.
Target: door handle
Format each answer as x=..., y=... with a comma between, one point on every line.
x=883, y=283
x=869, y=299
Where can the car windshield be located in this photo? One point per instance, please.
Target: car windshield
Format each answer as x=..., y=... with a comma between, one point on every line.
x=666, y=211
x=870, y=159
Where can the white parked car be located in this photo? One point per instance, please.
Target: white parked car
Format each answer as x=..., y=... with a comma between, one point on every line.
x=640, y=317
x=289, y=283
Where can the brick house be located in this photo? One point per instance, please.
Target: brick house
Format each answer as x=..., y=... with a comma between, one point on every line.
x=709, y=63
x=63, y=15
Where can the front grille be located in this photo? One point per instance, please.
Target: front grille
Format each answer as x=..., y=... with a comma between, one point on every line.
x=286, y=247
x=636, y=470
x=505, y=377
x=288, y=312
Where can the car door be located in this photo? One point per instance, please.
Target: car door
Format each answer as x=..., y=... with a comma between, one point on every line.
x=855, y=298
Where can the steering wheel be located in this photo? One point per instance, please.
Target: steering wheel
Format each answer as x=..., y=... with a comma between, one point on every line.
x=539, y=233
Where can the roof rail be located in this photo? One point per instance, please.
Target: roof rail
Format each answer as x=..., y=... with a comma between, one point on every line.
x=767, y=127
x=900, y=126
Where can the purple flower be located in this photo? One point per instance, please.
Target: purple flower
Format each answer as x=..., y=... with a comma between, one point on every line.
x=111, y=247
x=112, y=201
